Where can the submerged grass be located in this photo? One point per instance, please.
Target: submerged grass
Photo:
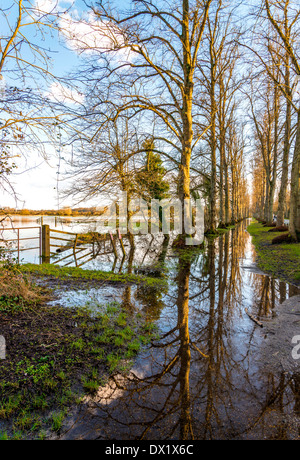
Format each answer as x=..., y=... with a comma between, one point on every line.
x=280, y=260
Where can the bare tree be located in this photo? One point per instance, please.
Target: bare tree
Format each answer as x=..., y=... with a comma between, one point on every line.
x=284, y=19
x=217, y=66
x=26, y=115
x=157, y=75
x=265, y=110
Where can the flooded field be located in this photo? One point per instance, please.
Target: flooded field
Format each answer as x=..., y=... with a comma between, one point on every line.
x=28, y=229
x=210, y=375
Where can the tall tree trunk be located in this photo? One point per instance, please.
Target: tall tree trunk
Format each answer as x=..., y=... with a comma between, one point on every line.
x=187, y=118
x=286, y=150
x=267, y=195
x=275, y=157
x=213, y=145
x=294, y=226
x=227, y=200
x=233, y=195
x=222, y=178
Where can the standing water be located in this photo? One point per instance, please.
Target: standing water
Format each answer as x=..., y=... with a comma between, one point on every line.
x=207, y=377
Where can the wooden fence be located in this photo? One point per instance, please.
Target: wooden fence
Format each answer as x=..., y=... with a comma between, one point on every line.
x=80, y=248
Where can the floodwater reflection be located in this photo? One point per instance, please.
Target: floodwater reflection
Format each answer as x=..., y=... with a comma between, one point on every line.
x=205, y=377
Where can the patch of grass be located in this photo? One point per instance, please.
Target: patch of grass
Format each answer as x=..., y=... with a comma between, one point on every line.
x=282, y=260
x=38, y=372
x=121, y=320
x=70, y=273
x=133, y=348
x=10, y=406
x=57, y=420
x=17, y=292
x=90, y=386
x=39, y=402
x=27, y=421
x=4, y=436
x=113, y=360
x=79, y=344
x=56, y=351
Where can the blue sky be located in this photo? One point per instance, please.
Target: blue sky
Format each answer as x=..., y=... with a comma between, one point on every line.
x=35, y=180
x=36, y=187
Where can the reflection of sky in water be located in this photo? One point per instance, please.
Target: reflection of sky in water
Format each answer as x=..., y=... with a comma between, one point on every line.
x=92, y=297
x=244, y=290
x=75, y=225
x=224, y=396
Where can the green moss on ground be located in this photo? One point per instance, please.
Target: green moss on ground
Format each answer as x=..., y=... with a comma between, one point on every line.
x=280, y=260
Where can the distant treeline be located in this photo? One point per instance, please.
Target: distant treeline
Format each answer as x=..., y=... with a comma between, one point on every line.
x=53, y=212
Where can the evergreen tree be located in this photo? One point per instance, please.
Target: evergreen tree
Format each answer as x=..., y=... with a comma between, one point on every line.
x=151, y=178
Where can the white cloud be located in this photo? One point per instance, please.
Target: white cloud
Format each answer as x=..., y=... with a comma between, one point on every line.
x=45, y=6
x=60, y=93
x=51, y=6
x=89, y=35
x=84, y=32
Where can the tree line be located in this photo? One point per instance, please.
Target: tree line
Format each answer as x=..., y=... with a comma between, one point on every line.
x=189, y=98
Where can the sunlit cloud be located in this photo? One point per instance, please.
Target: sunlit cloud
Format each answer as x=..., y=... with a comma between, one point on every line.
x=89, y=35
x=84, y=33
x=60, y=93
x=51, y=6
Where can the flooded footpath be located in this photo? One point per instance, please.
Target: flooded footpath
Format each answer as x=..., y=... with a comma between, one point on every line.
x=214, y=373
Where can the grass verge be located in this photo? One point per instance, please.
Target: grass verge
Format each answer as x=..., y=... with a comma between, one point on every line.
x=280, y=260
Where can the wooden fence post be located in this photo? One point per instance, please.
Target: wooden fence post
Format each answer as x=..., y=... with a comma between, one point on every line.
x=45, y=244
x=121, y=242
x=113, y=244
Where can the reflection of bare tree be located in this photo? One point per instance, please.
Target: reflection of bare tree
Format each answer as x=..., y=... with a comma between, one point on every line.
x=164, y=248
x=151, y=296
x=184, y=352
x=210, y=341
x=171, y=381
x=283, y=291
x=216, y=373
x=178, y=367
x=281, y=395
x=225, y=361
x=131, y=255
x=151, y=299
x=201, y=380
x=266, y=301
x=295, y=385
x=127, y=303
x=269, y=293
